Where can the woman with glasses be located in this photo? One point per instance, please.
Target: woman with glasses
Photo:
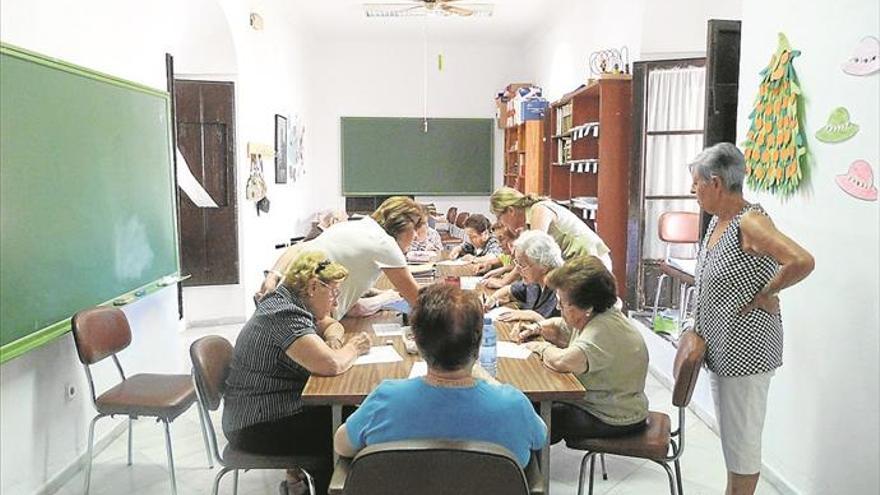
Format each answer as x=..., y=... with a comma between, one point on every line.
x=535, y=254
x=596, y=342
x=527, y=212
x=288, y=338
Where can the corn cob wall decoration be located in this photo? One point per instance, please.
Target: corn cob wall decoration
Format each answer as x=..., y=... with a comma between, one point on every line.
x=776, y=145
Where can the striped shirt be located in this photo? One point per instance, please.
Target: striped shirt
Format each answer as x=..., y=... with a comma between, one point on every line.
x=264, y=383
x=728, y=278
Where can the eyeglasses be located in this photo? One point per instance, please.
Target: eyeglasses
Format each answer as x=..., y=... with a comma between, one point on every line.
x=334, y=290
x=321, y=266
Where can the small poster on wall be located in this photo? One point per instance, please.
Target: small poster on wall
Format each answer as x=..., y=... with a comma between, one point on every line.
x=858, y=181
x=838, y=128
x=776, y=145
x=280, y=149
x=296, y=131
x=865, y=59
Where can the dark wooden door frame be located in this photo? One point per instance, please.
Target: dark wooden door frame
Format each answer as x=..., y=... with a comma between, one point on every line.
x=169, y=83
x=636, y=220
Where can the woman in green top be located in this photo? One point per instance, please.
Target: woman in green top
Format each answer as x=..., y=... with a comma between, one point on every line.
x=519, y=212
x=595, y=341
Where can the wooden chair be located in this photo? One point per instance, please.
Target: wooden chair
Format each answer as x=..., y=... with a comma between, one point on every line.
x=459, y=224
x=211, y=357
x=655, y=441
x=103, y=332
x=678, y=227
x=435, y=467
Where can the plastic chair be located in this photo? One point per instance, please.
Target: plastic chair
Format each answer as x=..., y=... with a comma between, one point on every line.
x=104, y=331
x=211, y=357
x=678, y=227
x=656, y=440
x=459, y=467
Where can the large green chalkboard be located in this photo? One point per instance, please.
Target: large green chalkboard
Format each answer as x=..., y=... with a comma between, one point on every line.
x=383, y=155
x=86, y=206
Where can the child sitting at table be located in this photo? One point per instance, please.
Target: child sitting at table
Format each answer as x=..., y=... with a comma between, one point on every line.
x=481, y=246
x=455, y=400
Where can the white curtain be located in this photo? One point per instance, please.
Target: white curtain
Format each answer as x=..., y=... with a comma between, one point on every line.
x=676, y=101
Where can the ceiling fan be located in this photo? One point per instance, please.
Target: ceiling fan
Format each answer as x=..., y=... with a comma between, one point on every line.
x=420, y=8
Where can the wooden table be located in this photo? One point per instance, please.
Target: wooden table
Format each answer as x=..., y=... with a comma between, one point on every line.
x=530, y=376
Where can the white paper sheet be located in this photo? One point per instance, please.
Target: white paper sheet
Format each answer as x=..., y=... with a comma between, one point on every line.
x=419, y=368
x=191, y=186
x=469, y=283
x=453, y=263
x=513, y=351
x=494, y=313
x=387, y=329
x=379, y=354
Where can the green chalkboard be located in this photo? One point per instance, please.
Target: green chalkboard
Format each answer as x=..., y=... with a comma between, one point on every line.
x=86, y=206
x=383, y=155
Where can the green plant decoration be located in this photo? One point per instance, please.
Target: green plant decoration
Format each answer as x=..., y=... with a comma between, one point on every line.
x=776, y=145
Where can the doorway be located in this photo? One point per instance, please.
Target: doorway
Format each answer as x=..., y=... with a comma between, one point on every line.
x=205, y=118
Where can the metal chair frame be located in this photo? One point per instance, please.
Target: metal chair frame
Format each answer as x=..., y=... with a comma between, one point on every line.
x=214, y=449
x=685, y=292
x=131, y=418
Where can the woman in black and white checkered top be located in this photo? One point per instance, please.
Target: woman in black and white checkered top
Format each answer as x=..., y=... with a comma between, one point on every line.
x=743, y=263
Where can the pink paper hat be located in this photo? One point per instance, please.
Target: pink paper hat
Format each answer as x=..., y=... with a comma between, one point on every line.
x=865, y=58
x=858, y=181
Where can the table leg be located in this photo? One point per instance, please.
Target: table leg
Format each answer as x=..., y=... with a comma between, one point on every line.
x=546, y=407
x=336, y=409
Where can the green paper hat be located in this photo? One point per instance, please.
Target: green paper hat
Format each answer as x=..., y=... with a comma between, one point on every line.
x=838, y=128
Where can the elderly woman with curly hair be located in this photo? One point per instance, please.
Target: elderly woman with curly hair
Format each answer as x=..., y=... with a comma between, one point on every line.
x=282, y=344
x=535, y=254
x=596, y=342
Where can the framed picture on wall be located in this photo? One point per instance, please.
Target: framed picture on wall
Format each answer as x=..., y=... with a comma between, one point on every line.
x=280, y=149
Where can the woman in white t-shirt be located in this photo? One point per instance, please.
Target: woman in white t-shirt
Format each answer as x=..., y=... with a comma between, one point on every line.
x=367, y=248
x=527, y=212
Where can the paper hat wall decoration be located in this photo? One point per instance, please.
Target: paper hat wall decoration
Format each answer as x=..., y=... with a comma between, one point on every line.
x=838, y=128
x=865, y=58
x=858, y=181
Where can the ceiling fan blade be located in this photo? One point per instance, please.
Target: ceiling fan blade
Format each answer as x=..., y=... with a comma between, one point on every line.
x=452, y=9
x=394, y=9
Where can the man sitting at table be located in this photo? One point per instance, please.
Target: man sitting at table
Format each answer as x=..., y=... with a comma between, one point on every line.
x=456, y=400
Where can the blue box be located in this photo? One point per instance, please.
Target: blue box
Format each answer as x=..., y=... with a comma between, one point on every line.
x=534, y=109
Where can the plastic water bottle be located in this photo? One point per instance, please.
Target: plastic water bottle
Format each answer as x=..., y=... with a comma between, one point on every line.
x=489, y=349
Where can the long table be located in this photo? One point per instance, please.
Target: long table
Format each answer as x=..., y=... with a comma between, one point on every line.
x=529, y=375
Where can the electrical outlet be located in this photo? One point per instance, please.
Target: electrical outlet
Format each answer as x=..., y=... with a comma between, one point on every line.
x=69, y=391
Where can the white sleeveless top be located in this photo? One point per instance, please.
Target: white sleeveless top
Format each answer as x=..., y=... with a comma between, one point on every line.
x=574, y=237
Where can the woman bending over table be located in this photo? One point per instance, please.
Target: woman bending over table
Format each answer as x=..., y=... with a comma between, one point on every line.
x=289, y=337
x=596, y=342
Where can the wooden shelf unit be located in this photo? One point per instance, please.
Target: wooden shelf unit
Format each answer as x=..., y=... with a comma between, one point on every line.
x=606, y=104
x=523, y=149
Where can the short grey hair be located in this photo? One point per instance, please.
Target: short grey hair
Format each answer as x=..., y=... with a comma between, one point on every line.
x=540, y=248
x=723, y=160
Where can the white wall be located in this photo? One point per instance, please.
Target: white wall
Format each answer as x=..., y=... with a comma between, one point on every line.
x=821, y=433
x=385, y=79
x=43, y=435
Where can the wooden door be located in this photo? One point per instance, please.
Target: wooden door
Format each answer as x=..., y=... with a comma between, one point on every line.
x=205, y=114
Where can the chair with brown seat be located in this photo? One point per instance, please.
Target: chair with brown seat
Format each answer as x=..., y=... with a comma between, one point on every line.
x=446, y=233
x=456, y=466
x=211, y=357
x=677, y=227
x=656, y=440
x=103, y=332
x=459, y=225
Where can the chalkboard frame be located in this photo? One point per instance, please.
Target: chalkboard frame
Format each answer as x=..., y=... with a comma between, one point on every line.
x=48, y=333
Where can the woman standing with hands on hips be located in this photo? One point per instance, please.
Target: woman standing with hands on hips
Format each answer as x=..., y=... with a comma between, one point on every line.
x=743, y=263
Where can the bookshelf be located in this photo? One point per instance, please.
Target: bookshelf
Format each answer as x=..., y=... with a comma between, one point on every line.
x=523, y=149
x=588, y=164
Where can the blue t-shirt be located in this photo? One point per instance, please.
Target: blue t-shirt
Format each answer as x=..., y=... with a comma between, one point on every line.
x=413, y=409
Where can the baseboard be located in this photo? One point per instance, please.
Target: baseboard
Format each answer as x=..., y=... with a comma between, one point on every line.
x=79, y=463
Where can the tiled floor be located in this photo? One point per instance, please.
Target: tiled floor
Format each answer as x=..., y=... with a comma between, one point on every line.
x=702, y=464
